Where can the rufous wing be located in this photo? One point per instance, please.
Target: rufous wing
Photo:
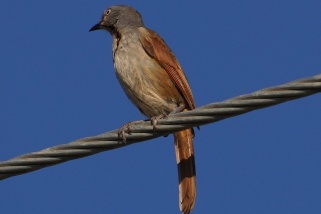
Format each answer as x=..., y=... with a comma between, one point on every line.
x=156, y=48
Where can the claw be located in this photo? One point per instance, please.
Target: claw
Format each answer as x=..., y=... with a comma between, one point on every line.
x=155, y=119
x=125, y=129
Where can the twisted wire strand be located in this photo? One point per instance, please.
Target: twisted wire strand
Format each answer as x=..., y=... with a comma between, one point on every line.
x=143, y=130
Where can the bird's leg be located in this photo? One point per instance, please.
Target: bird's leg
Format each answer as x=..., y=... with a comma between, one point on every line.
x=155, y=119
x=179, y=108
x=125, y=129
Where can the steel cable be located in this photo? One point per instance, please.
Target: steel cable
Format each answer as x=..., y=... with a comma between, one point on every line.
x=143, y=130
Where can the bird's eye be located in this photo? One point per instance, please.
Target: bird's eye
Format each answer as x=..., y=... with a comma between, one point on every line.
x=108, y=11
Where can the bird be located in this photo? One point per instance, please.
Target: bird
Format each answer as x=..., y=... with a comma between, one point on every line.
x=154, y=82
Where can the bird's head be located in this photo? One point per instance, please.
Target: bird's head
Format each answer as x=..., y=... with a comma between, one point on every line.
x=116, y=18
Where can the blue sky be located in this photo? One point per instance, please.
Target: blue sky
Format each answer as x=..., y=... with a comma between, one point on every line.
x=58, y=85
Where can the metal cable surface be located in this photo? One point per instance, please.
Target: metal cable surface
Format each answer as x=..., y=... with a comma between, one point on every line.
x=143, y=130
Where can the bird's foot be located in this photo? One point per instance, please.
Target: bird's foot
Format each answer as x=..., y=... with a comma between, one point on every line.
x=125, y=129
x=155, y=119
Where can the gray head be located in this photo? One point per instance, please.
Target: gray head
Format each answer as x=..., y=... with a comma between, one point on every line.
x=116, y=18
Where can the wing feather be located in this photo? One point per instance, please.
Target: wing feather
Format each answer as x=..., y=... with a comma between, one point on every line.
x=156, y=48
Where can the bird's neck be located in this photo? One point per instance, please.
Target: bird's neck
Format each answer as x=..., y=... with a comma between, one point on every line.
x=113, y=31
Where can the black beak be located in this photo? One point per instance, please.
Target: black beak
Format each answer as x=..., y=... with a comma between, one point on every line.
x=95, y=27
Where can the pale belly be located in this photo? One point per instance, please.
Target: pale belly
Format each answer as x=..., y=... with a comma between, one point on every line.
x=145, y=83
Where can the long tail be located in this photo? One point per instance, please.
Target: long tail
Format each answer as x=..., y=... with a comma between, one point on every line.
x=186, y=169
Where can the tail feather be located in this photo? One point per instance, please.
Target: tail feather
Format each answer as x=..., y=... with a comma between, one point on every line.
x=186, y=169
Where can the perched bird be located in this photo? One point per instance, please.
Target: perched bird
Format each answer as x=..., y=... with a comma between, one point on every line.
x=154, y=81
